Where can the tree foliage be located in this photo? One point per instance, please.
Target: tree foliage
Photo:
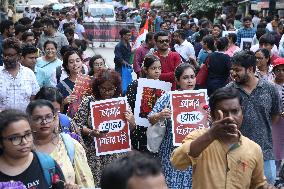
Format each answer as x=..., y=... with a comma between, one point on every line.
x=203, y=6
x=174, y=4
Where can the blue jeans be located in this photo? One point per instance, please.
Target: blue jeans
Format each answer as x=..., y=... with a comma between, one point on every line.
x=270, y=171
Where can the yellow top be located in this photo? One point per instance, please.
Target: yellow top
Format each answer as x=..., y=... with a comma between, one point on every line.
x=220, y=166
x=81, y=173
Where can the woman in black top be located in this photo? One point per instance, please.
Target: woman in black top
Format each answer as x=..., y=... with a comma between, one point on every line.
x=152, y=70
x=17, y=160
x=219, y=66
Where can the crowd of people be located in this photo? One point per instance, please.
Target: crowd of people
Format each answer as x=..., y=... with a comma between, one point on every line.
x=45, y=145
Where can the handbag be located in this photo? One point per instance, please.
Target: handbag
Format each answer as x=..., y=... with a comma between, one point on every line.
x=126, y=77
x=201, y=78
x=155, y=134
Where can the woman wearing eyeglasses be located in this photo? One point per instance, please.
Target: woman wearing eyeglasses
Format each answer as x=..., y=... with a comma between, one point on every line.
x=17, y=160
x=263, y=68
x=67, y=152
x=96, y=64
x=106, y=86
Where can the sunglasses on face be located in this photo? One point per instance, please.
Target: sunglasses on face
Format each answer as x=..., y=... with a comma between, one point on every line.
x=164, y=41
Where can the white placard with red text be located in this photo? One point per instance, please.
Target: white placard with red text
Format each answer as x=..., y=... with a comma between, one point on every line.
x=109, y=115
x=188, y=113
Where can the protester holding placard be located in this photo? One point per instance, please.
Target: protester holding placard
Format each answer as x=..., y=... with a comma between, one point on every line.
x=151, y=69
x=106, y=86
x=186, y=80
x=68, y=153
x=72, y=64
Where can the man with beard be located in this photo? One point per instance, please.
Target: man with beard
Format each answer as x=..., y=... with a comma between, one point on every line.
x=50, y=34
x=7, y=30
x=169, y=60
x=261, y=106
x=18, y=84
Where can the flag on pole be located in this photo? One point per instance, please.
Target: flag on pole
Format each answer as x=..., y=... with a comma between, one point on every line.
x=141, y=37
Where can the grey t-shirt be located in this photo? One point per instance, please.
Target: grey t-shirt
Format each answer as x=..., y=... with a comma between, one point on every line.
x=258, y=108
x=59, y=38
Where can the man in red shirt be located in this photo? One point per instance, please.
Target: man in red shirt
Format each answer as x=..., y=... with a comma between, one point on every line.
x=169, y=60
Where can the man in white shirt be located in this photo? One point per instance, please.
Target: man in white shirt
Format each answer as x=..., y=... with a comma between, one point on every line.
x=182, y=46
x=80, y=29
x=18, y=84
x=255, y=20
x=88, y=17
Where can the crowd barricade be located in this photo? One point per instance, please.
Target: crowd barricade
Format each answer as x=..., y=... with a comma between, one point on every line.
x=109, y=32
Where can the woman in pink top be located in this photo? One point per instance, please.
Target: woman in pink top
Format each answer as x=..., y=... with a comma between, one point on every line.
x=232, y=47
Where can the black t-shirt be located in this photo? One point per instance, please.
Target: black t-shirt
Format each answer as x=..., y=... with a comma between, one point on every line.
x=32, y=177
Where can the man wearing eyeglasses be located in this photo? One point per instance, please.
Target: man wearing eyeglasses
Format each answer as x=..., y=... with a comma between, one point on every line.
x=169, y=60
x=18, y=84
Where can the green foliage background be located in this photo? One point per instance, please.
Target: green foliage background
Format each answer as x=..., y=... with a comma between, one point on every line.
x=204, y=7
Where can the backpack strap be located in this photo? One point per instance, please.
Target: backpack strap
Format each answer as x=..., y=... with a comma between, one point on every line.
x=48, y=63
x=58, y=74
x=69, y=145
x=47, y=165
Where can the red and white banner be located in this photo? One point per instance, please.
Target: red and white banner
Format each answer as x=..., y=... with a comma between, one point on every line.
x=188, y=113
x=108, y=115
